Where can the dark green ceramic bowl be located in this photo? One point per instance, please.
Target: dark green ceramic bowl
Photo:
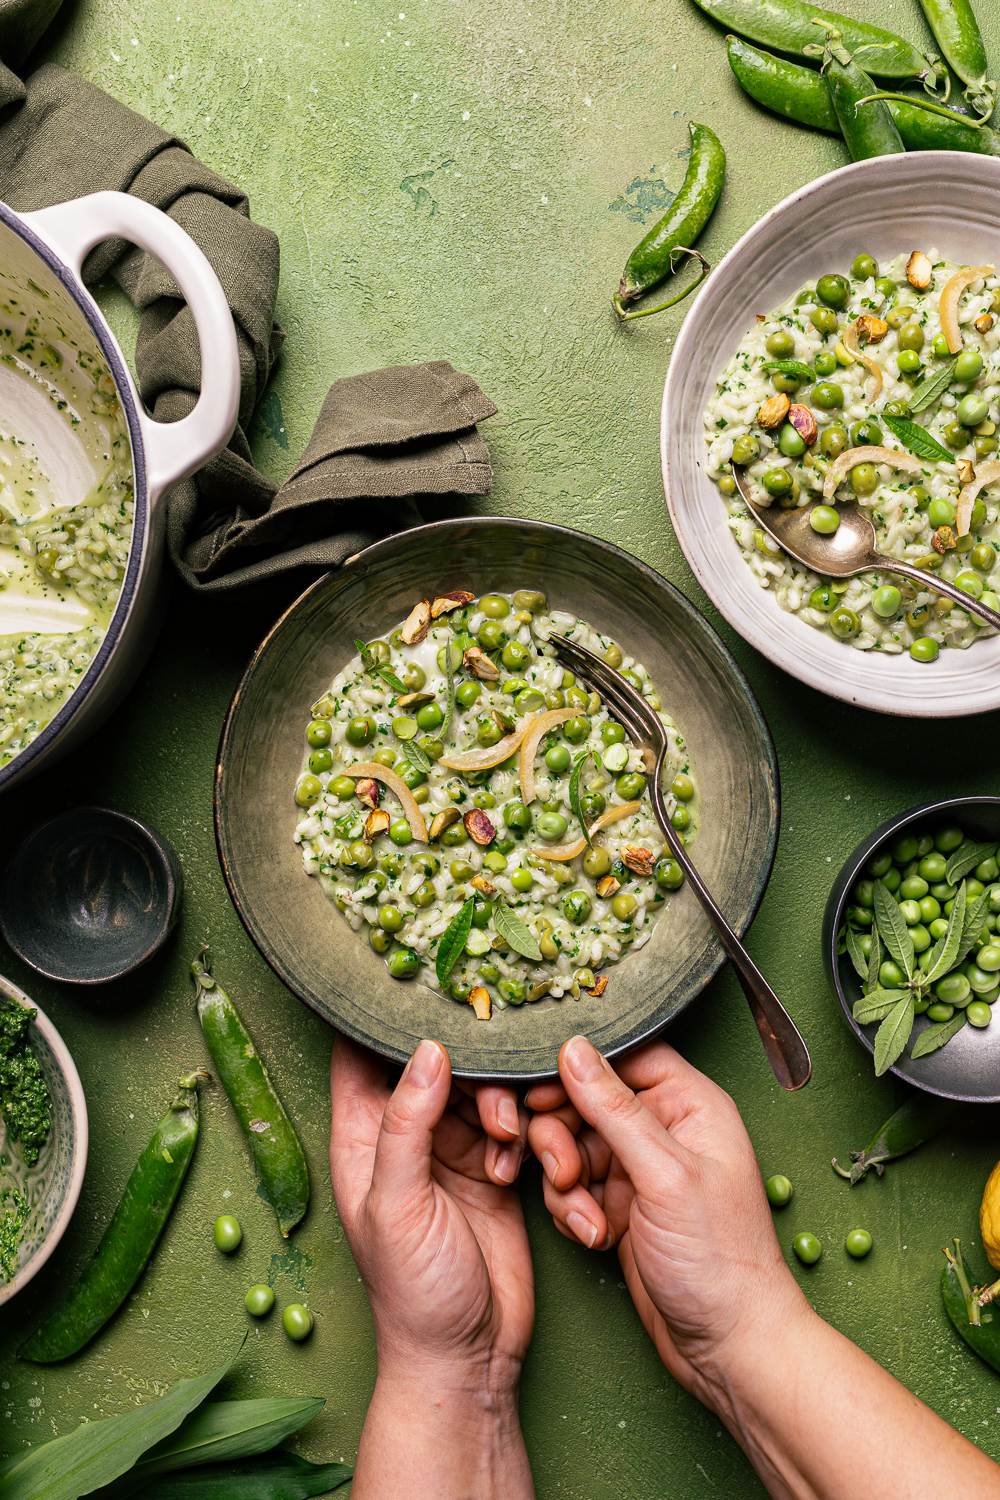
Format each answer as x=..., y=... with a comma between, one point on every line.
x=306, y=940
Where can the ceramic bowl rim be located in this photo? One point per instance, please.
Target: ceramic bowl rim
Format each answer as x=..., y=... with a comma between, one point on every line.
x=554, y=532
x=838, y=900
x=165, y=859
x=780, y=646
x=64, y=1063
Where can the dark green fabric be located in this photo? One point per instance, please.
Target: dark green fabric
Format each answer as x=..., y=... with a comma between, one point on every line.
x=382, y=439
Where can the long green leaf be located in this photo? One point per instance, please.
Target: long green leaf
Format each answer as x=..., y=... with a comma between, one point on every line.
x=965, y=859
x=279, y=1476
x=932, y=386
x=975, y=918
x=377, y=669
x=98, y=1452
x=892, y=928
x=417, y=756
x=876, y=1005
x=893, y=1034
x=452, y=941
x=944, y=954
x=874, y=961
x=220, y=1431
x=449, y=704
x=918, y=440
x=795, y=367
x=515, y=932
x=933, y=1037
x=574, y=793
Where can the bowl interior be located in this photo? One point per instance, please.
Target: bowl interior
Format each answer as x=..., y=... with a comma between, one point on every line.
x=52, y=1185
x=308, y=942
x=968, y=1067
x=940, y=200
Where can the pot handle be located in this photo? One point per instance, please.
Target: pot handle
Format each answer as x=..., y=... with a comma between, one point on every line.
x=172, y=449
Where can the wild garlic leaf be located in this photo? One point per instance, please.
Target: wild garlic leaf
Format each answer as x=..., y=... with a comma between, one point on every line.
x=452, y=941
x=965, y=859
x=893, y=929
x=945, y=953
x=220, y=1431
x=272, y=1476
x=894, y=1033
x=515, y=932
x=876, y=1005
x=574, y=792
x=933, y=1037
x=932, y=387
x=917, y=439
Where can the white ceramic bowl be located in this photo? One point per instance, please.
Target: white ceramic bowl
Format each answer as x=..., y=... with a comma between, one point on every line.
x=945, y=199
x=56, y=1179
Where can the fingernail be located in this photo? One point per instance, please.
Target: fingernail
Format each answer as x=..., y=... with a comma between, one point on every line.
x=425, y=1065
x=507, y=1162
x=550, y=1165
x=507, y=1116
x=585, y=1231
x=582, y=1060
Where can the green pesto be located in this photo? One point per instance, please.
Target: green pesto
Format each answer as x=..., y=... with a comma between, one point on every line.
x=24, y=1099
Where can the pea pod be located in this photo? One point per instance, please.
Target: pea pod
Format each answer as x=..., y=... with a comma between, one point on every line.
x=979, y=1328
x=130, y=1238
x=655, y=256
x=790, y=26
x=919, y=1118
x=957, y=33
x=799, y=93
x=867, y=132
x=276, y=1149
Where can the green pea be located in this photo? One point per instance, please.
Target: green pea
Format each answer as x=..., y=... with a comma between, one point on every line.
x=489, y=733
x=623, y=905
x=858, y=1243
x=896, y=409
x=297, y=1321
x=780, y=343
x=955, y=435
x=379, y=941
x=948, y=839
x=414, y=677
x=259, y=1300
x=228, y=1233
x=984, y=444
x=522, y=879
x=864, y=893
x=467, y=693
x=890, y=975
x=899, y=315
x=910, y=336
x=824, y=320
x=983, y=557
x=866, y=433
x=576, y=906
x=908, y=361
x=424, y=895
x=390, y=918
x=779, y=1190
x=412, y=775
x=318, y=733
x=953, y=989
x=680, y=817
x=969, y=583
x=824, y=519
x=972, y=410
x=454, y=836
x=827, y=395
x=430, y=716
x=550, y=826
x=863, y=267
x=400, y=832
x=529, y=599
x=978, y=1013
x=834, y=440
x=320, y=760
x=920, y=938
x=987, y=870
x=968, y=364
x=988, y=958
x=630, y=785
x=833, y=290
x=745, y=449
x=668, y=874
x=790, y=442
x=910, y=911
x=360, y=855
x=359, y=731
x=807, y=1248
x=938, y=1011
x=886, y=601
x=864, y=479
x=308, y=788
x=557, y=758
x=823, y=598
x=825, y=363
x=403, y=963
x=844, y=623
x=490, y=635
x=529, y=701
x=514, y=656
x=924, y=649
x=495, y=606
x=384, y=757
x=596, y=862
x=913, y=887
x=939, y=344
x=682, y=787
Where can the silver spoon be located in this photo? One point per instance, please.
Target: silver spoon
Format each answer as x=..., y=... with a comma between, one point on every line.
x=786, y=1051
x=851, y=549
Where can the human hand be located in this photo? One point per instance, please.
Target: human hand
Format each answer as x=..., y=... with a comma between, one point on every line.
x=667, y=1172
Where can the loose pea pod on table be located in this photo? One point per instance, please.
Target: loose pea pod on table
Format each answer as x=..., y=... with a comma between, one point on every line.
x=658, y=253
x=914, y=1122
x=957, y=33
x=130, y=1238
x=276, y=1149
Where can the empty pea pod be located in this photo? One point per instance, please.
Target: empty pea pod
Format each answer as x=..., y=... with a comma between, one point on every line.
x=957, y=33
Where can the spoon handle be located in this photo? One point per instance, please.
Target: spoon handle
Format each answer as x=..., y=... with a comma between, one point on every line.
x=942, y=586
x=783, y=1043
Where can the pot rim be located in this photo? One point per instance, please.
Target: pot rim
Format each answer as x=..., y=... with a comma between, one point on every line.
x=24, y=761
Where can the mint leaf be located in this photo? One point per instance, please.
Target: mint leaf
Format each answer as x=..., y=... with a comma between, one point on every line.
x=893, y=1034
x=574, y=792
x=918, y=440
x=793, y=367
x=417, y=756
x=876, y=1005
x=932, y=386
x=515, y=932
x=452, y=942
x=892, y=928
x=378, y=669
x=933, y=1037
x=944, y=955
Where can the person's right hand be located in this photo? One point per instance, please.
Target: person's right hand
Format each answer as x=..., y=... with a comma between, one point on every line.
x=669, y=1175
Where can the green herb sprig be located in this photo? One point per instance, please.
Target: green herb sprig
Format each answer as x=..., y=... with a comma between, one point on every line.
x=378, y=669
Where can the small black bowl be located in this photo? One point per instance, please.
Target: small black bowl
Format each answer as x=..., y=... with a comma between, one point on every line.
x=968, y=1068
x=89, y=896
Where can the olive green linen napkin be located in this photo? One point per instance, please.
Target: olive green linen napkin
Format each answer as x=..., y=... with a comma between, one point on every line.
x=384, y=436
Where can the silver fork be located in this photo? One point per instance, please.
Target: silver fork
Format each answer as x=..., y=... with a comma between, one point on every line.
x=783, y=1043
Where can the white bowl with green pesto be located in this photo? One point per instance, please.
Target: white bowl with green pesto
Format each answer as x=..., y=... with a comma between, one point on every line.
x=83, y=469
x=477, y=814
x=779, y=317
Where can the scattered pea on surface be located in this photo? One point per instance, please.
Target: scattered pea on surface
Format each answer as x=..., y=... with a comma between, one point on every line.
x=858, y=1243
x=779, y=1190
x=228, y=1233
x=259, y=1300
x=297, y=1321
x=807, y=1247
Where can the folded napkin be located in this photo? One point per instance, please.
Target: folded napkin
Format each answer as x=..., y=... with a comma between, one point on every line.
x=391, y=434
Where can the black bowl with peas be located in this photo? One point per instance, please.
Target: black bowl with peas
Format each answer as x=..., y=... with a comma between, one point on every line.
x=911, y=941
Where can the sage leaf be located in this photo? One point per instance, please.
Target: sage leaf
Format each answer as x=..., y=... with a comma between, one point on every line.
x=452, y=942
x=975, y=919
x=417, y=756
x=965, y=859
x=574, y=792
x=876, y=1005
x=278, y=1476
x=893, y=929
x=874, y=961
x=516, y=933
x=932, y=386
x=97, y=1453
x=376, y=668
x=918, y=440
x=893, y=1034
x=944, y=954
x=794, y=367
x=933, y=1037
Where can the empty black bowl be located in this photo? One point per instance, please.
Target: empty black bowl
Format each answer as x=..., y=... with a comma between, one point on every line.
x=90, y=895
x=968, y=1067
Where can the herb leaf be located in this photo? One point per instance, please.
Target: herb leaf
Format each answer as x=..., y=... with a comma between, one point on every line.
x=223, y=1430
x=876, y=1005
x=918, y=440
x=452, y=941
x=574, y=792
x=874, y=961
x=932, y=386
x=975, y=917
x=515, y=932
x=376, y=668
x=791, y=367
x=934, y=1037
x=944, y=954
x=417, y=756
x=892, y=928
x=274, y=1476
x=893, y=1034
x=449, y=703
x=965, y=858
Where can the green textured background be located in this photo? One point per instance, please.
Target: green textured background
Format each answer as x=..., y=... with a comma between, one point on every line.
x=465, y=180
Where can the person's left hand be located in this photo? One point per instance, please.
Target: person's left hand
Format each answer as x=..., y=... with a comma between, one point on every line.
x=441, y=1247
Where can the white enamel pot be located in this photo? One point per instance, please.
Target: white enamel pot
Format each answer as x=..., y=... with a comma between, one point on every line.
x=44, y=253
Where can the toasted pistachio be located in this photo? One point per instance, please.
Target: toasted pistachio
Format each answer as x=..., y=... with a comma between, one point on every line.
x=414, y=700
x=983, y=323
x=484, y=886
x=599, y=985
x=773, y=411
x=607, y=885
x=367, y=791
x=454, y=599
x=919, y=271
x=377, y=822
x=540, y=990
x=966, y=473
x=442, y=820
x=479, y=999
x=943, y=539
x=417, y=623
x=478, y=827
x=323, y=708
x=872, y=329
x=503, y=721
x=648, y=758
x=804, y=423
x=478, y=663
x=639, y=860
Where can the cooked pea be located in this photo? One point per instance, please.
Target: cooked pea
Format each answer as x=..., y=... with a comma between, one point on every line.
x=824, y=519
x=955, y=435
x=863, y=267
x=780, y=343
x=924, y=649
x=514, y=656
x=844, y=623
x=320, y=760
x=983, y=557
x=823, y=598
x=359, y=731
x=467, y=693
x=430, y=716
x=489, y=733
x=825, y=363
x=669, y=874
x=746, y=449
x=865, y=433
x=550, y=826
x=414, y=677
x=494, y=606
x=522, y=879
x=864, y=479
x=790, y=442
x=308, y=788
x=827, y=395
x=379, y=941
x=318, y=733
x=623, y=905
x=529, y=599
x=968, y=365
x=424, y=895
x=972, y=410
x=910, y=336
x=384, y=757
x=908, y=362
x=557, y=758
x=833, y=290
x=596, y=862
x=400, y=831
x=529, y=700
x=824, y=320
x=576, y=906
x=403, y=963
x=886, y=601
x=834, y=440
x=517, y=816
x=630, y=785
x=490, y=635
